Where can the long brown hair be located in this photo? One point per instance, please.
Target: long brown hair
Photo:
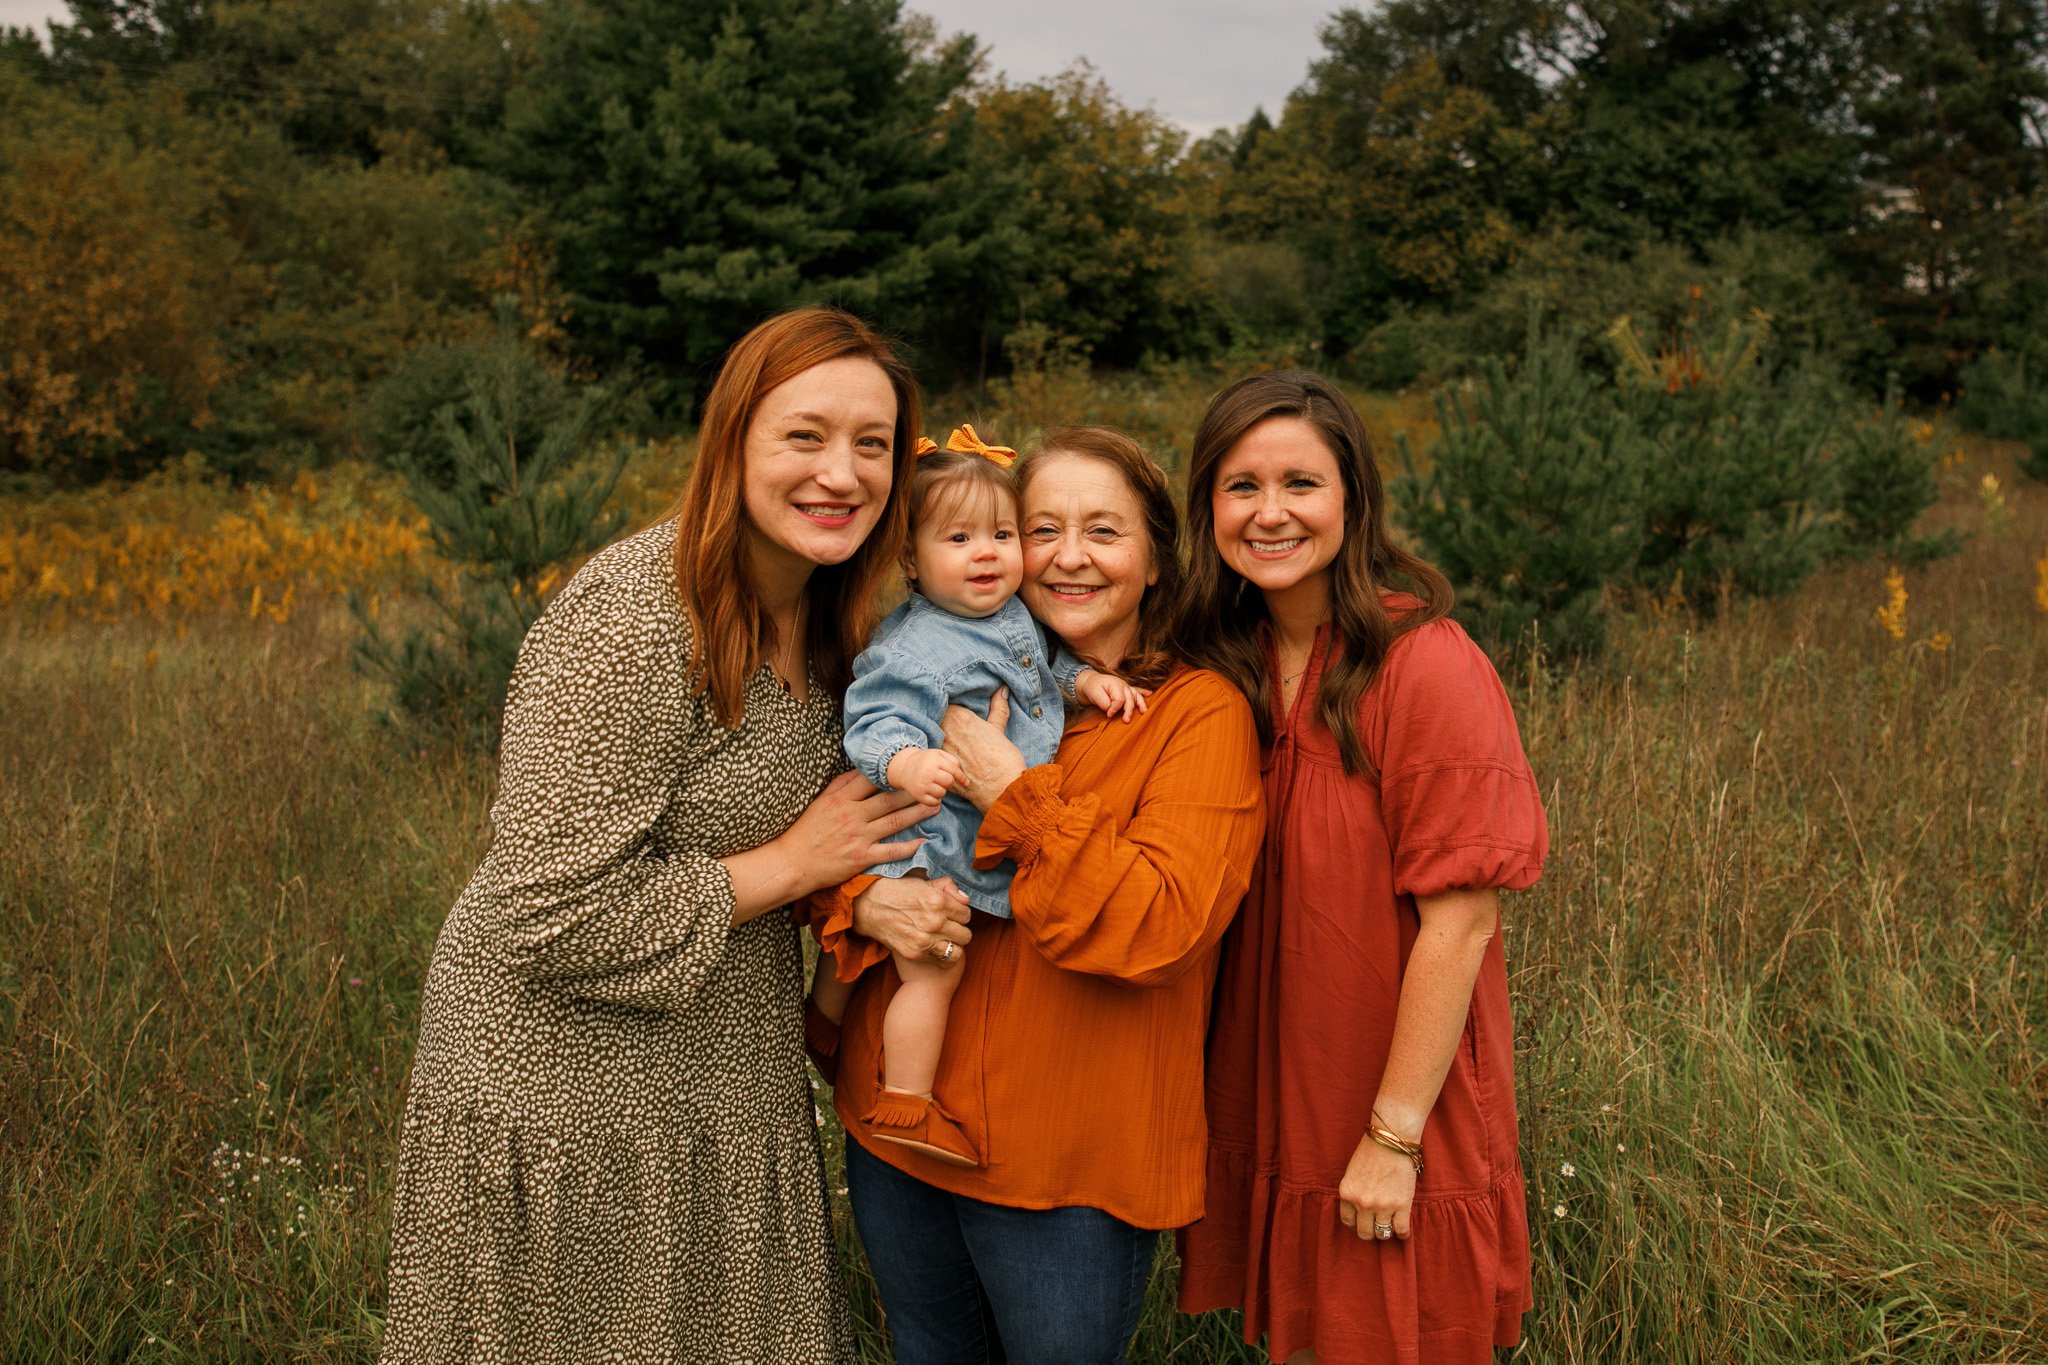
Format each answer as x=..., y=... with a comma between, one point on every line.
x=731, y=634
x=1155, y=657
x=1222, y=613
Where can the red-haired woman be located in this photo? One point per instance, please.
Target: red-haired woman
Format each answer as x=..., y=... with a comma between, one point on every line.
x=1365, y=1195
x=609, y=1150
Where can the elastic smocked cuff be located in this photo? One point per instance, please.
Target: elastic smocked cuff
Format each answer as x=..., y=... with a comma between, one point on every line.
x=832, y=924
x=1022, y=816
x=880, y=776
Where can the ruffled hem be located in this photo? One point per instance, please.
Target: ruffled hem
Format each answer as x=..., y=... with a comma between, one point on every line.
x=518, y=1241
x=830, y=915
x=1455, y=1290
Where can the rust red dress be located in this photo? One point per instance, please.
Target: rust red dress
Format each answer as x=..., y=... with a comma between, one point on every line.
x=1304, y=1016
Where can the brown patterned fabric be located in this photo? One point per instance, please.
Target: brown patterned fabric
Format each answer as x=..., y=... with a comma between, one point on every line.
x=610, y=1148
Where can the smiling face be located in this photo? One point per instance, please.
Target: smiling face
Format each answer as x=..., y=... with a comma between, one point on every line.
x=819, y=461
x=1087, y=555
x=965, y=555
x=1278, y=507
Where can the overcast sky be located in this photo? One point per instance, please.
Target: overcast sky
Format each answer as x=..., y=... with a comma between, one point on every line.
x=1204, y=64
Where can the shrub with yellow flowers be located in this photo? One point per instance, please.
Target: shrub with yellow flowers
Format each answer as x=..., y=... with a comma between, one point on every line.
x=179, y=546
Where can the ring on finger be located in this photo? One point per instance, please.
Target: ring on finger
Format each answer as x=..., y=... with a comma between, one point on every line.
x=947, y=950
x=1382, y=1230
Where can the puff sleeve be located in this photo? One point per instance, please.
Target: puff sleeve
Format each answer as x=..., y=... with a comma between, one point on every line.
x=1139, y=904
x=1461, y=806
x=599, y=724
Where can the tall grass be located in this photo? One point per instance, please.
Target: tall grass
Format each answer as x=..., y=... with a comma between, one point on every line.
x=1782, y=1062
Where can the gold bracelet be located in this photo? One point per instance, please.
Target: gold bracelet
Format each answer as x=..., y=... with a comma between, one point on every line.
x=1394, y=1142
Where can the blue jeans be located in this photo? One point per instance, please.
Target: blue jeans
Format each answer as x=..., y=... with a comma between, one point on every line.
x=965, y=1282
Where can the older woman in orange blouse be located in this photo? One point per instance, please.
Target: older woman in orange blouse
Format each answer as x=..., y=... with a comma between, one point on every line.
x=1073, y=1057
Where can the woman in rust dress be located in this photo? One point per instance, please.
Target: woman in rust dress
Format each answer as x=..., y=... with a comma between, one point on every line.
x=1365, y=1195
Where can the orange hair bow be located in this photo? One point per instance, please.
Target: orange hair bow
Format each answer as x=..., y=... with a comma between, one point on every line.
x=964, y=441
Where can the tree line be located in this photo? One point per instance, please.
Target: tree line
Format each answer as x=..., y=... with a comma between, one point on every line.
x=252, y=231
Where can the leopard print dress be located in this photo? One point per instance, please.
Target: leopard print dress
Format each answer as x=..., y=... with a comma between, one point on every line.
x=610, y=1148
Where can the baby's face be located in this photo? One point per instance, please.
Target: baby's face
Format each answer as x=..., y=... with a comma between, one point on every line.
x=966, y=557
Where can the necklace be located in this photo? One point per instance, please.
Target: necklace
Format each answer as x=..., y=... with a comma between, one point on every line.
x=782, y=665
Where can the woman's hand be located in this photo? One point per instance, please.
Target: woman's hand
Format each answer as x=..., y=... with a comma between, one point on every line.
x=912, y=917
x=1377, y=1191
x=845, y=830
x=848, y=828
x=989, y=763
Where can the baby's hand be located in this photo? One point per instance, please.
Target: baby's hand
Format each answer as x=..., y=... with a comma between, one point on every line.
x=1110, y=694
x=927, y=774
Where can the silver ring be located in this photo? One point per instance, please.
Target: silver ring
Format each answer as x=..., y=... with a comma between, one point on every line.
x=1382, y=1230
x=947, y=953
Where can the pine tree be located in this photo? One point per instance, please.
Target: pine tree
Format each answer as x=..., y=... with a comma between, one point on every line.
x=1887, y=478
x=507, y=515
x=703, y=165
x=1741, y=490
x=1532, y=499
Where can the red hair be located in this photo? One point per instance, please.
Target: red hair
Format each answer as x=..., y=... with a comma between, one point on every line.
x=731, y=634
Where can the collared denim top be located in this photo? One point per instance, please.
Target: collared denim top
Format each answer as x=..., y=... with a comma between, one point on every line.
x=922, y=659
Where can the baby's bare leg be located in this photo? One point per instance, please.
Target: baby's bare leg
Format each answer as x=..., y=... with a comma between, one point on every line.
x=914, y=1028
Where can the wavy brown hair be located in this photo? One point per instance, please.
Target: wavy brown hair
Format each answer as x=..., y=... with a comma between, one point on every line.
x=731, y=634
x=1155, y=657
x=1221, y=612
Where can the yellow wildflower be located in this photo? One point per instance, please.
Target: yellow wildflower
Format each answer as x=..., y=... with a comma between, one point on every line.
x=1892, y=615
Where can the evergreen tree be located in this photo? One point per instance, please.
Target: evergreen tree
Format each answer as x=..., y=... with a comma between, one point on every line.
x=1532, y=499
x=1741, y=491
x=701, y=166
x=1953, y=248
x=508, y=515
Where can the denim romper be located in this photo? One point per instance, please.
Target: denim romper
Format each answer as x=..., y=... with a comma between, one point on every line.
x=924, y=658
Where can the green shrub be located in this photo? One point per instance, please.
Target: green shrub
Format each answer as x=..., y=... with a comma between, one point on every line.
x=1698, y=470
x=399, y=424
x=1739, y=487
x=1997, y=400
x=1581, y=287
x=1887, y=480
x=1532, y=497
x=515, y=495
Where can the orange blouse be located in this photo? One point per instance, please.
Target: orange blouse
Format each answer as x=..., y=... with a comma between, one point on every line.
x=1073, y=1054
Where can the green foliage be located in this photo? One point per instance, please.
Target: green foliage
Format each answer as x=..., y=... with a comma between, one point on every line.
x=1099, y=243
x=1684, y=138
x=507, y=514
x=1699, y=470
x=699, y=166
x=1266, y=289
x=1887, y=481
x=1532, y=497
x=337, y=78
x=402, y=422
x=1582, y=285
x=1740, y=487
x=1998, y=399
x=1401, y=183
x=1951, y=253
x=176, y=281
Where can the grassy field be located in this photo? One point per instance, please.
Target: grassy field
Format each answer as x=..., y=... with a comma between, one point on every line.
x=1783, y=1045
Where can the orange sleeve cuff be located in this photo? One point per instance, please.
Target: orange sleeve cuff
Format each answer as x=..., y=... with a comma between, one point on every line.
x=1022, y=816
x=830, y=913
